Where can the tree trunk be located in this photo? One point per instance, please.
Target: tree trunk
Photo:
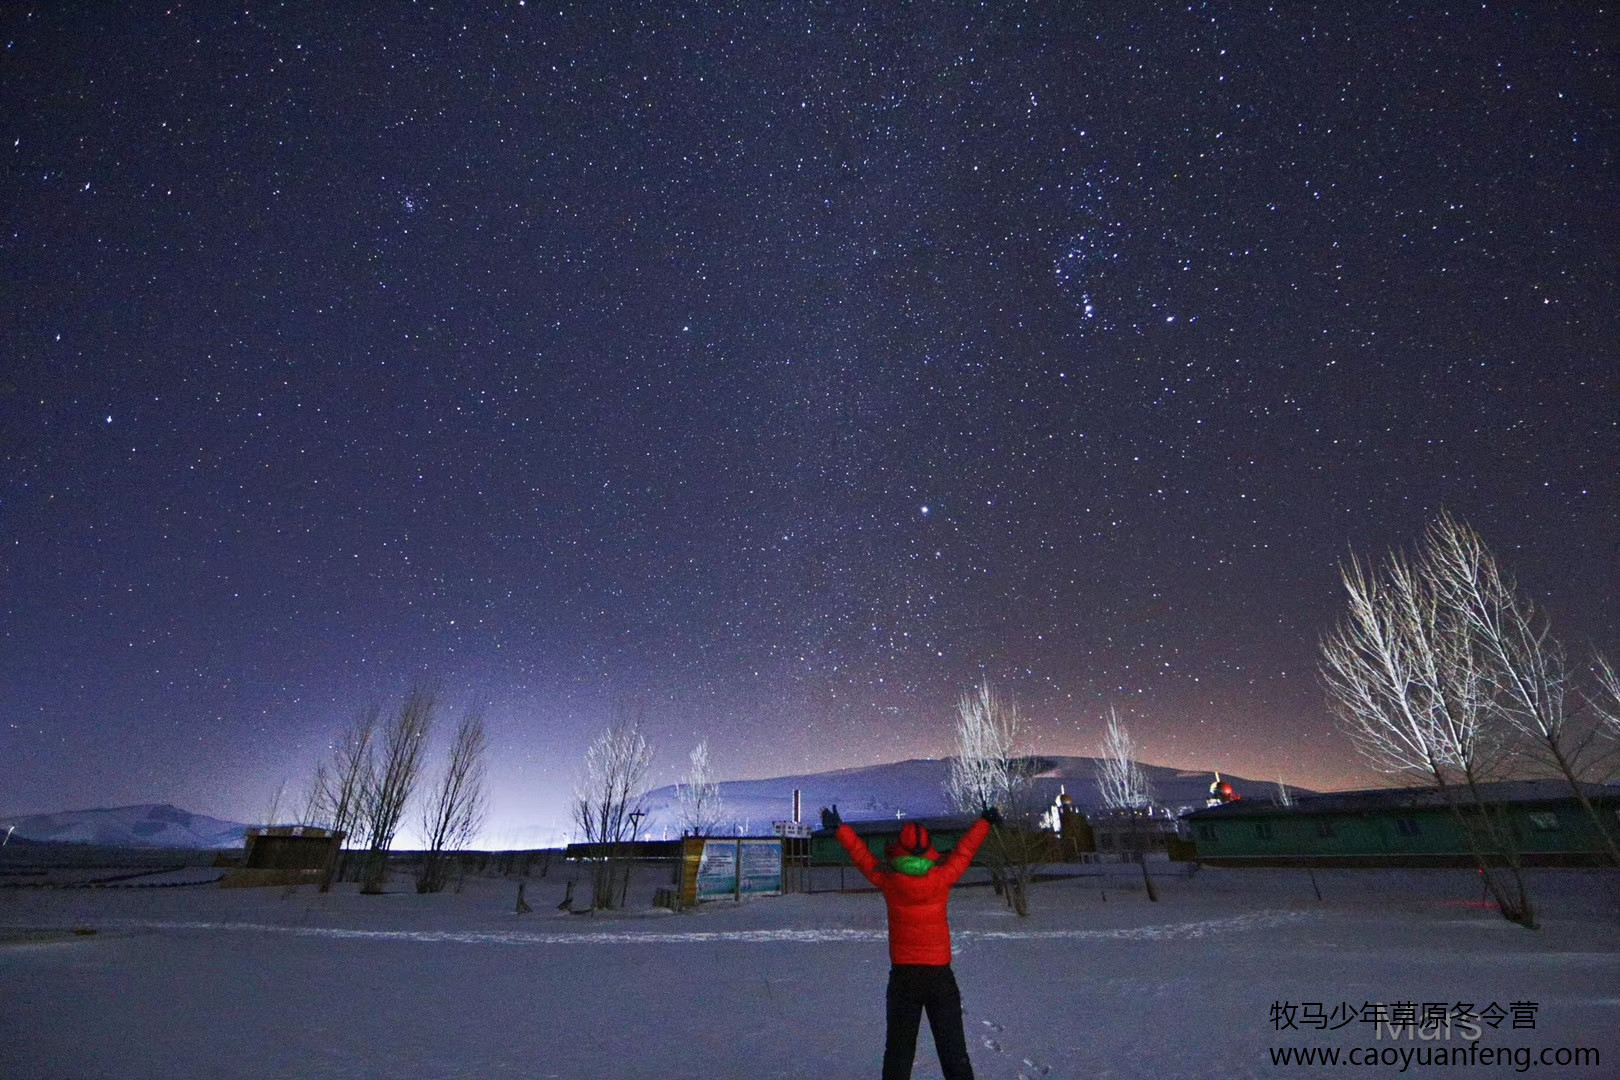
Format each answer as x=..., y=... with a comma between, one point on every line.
x=1147, y=881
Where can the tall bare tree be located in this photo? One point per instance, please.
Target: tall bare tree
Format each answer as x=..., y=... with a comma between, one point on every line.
x=341, y=783
x=1530, y=674
x=313, y=809
x=1120, y=779
x=989, y=771
x=987, y=733
x=701, y=805
x=272, y=810
x=606, y=801
x=1605, y=700
x=1411, y=688
x=1125, y=790
x=398, y=768
x=454, y=810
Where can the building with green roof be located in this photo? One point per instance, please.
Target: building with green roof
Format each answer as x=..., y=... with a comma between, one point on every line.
x=1405, y=827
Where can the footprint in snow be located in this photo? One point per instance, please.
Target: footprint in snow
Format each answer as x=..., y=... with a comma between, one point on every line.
x=991, y=1044
x=992, y=1025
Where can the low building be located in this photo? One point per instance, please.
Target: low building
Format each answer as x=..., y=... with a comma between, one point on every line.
x=1133, y=831
x=289, y=847
x=825, y=850
x=283, y=855
x=633, y=850
x=1404, y=827
x=944, y=832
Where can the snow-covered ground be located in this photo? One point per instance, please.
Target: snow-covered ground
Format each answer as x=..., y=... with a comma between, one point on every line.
x=1098, y=982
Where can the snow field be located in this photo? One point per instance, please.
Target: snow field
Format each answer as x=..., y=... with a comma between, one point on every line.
x=286, y=983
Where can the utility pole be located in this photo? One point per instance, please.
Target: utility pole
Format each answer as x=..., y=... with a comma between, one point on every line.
x=635, y=817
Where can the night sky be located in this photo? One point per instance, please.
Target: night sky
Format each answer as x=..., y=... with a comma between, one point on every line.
x=772, y=372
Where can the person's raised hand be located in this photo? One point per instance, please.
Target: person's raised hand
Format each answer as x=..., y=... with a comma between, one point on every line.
x=830, y=819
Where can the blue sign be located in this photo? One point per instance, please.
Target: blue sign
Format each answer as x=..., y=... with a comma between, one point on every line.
x=718, y=868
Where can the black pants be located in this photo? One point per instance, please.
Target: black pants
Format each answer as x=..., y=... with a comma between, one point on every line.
x=913, y=988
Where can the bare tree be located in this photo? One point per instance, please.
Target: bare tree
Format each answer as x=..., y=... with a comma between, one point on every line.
x=393, y=780
x=1530, y=674
x=455, y=809
x=313, y=810
x=1605, y=701
x=701, y=805
x=272, y=811
x=340, y=784
x=988, y=771
x=1126, y=792
x=607, y=802
x=986, y=734
x=1120, y=779
x=1410, y=687
x=1285, y=796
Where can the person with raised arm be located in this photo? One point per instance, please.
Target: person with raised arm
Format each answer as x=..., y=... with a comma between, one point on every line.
x=916, y=887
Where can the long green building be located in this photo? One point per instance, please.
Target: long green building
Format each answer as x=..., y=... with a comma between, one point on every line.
x=1405, y=827
x=825, y=850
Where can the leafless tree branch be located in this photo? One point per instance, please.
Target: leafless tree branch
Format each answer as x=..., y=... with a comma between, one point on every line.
x=342, y=783
x=701, y=804
x=988, y=771
x=1530, y=676
x=455, y=809
x=1120, y=779
x=609, y=792
x=1412, y=686
x=398, y=767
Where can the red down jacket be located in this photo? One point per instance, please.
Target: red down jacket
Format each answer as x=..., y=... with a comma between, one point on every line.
x=918, y=931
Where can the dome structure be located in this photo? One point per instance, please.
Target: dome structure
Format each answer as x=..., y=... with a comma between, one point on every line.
x=1221, y=791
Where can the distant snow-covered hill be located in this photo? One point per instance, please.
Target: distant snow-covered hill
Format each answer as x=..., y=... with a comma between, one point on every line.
x=916, y=788
x=150, y=825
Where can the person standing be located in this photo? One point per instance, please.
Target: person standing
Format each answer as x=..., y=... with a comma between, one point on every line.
x=916, y=889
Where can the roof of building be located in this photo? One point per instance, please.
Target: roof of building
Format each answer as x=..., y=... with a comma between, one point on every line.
x=1518, y=792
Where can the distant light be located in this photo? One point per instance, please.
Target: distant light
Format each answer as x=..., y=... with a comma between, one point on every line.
x=924, y=509
x=109, y=418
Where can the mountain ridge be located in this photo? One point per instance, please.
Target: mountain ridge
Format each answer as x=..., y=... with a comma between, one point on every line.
x=914, y=787
x=141, y=825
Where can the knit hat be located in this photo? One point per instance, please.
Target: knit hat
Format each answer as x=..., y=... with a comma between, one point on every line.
x=914, y=843
x=914, y=840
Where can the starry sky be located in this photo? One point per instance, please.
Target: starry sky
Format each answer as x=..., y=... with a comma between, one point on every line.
x=771, y=372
